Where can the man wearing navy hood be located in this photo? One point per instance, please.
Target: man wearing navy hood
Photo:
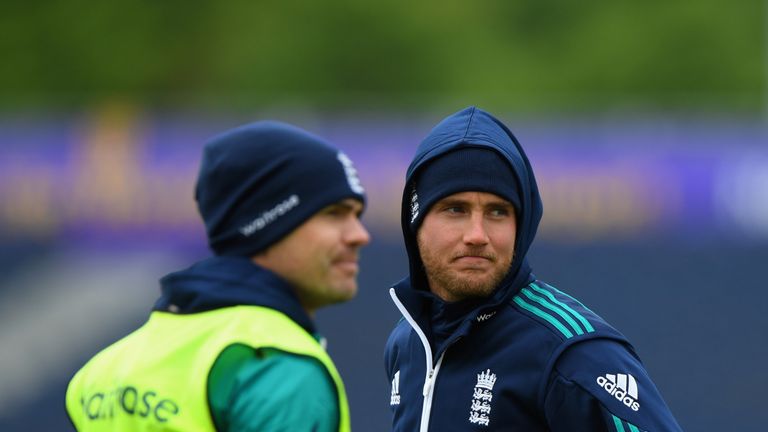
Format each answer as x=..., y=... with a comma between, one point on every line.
x=231, y=344
x=484, y=345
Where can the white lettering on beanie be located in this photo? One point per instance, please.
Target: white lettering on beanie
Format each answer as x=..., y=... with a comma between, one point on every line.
x=414, y=204
x=270, y=216
x=351, y=172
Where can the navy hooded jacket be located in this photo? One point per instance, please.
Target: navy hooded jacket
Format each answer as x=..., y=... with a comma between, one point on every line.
x=528, y=357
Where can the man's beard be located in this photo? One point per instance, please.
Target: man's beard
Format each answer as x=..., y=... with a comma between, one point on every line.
x=467, y=284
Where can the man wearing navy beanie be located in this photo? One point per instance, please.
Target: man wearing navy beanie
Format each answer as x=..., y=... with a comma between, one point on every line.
x=231, y=344
x=485, y=344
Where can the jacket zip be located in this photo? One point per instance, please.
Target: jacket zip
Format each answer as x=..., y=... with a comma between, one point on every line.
x=429, y=386
x=431, y=376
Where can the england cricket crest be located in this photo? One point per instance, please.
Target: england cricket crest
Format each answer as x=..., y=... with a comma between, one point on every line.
x=480, y=412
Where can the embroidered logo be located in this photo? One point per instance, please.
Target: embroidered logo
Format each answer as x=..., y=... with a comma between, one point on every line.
x=414, y=203
x=621, y=386
x=485, y=316
x=270, y=216
x=481, y=398
x=394, y=399
x=351, y=172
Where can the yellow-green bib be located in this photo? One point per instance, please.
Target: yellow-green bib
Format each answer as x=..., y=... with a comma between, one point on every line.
x=155, y=379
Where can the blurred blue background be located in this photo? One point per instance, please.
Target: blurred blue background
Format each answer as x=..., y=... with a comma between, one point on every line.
x=646, y=124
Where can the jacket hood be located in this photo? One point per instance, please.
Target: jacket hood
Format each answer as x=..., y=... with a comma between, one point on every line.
x=473, y=127
x=223, y=281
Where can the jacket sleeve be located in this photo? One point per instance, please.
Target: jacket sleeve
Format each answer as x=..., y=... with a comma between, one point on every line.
x=600, y=385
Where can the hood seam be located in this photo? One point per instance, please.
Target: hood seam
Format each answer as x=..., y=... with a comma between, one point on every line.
x=469, y=125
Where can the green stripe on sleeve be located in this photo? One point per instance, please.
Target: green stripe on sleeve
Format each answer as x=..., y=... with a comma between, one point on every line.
x=543, y=315
x=633, y=428
x=570, y=297
x=578, y=316
x=617, y=423
x=542, y=301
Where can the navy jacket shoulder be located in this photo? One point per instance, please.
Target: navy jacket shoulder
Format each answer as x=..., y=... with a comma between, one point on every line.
x=550, y=362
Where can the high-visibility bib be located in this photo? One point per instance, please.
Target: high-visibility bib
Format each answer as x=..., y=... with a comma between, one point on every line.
x=155, y=379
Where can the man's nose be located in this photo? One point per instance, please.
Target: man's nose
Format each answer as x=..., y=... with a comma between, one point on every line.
x=356, y=234
x=475, y=232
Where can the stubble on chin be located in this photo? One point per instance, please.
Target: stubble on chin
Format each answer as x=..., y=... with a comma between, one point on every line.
x=464, y=286
x=454, y=285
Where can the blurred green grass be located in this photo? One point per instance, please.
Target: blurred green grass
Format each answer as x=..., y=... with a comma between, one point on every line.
x=533, y=56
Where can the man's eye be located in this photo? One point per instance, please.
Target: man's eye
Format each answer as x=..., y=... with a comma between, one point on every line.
x=499, y=212
x=335, y=211
x=454, y=209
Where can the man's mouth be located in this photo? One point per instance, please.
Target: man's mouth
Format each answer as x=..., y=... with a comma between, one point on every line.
x=347, y=263
x=474, y=257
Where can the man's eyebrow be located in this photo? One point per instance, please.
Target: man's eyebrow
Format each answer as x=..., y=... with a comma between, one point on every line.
x=499, y=203
x=452, y=201
x=352, y=206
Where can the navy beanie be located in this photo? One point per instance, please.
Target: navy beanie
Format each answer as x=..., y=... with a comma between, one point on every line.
x=462, y=170
x=260, y=181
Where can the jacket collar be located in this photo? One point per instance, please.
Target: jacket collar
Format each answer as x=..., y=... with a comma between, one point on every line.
x=444, y=323
x=219, y=282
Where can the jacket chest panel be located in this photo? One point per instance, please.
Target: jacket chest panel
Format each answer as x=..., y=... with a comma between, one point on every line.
x=479, y=385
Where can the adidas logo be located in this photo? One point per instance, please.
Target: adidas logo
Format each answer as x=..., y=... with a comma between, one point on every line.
x=621, y=386
x=395, y=396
